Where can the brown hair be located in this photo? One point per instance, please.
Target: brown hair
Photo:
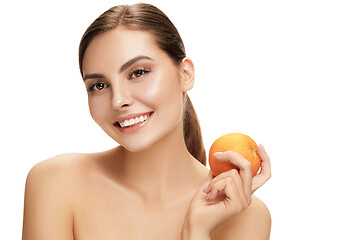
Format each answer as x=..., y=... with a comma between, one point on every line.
x=146, y=17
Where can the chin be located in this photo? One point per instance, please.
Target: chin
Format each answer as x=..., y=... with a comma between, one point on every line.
x=136, y=148
x=150, y=137
x=135, y=145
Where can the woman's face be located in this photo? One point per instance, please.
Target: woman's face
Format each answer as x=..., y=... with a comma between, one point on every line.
x=135, y=91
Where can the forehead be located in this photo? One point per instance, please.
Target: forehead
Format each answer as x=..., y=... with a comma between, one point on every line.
x=117, y=46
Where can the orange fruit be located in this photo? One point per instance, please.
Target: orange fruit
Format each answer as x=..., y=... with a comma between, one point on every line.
x=236, y=142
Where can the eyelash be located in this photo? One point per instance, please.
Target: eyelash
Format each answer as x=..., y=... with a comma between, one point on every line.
x=91, y=88
x=143, y=71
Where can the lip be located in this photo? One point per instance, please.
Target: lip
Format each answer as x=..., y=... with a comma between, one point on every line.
x=136, y=127
x=134, y=115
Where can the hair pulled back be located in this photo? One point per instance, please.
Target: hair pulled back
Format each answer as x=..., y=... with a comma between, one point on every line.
x=146, y=17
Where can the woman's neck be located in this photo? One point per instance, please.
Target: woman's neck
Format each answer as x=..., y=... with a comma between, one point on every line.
x=164, y=169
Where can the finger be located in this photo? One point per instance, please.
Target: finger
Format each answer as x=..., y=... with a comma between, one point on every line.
x=265, y=161
x=231, y=173
x=228, y=186
x=265, y=172
x=245, y=168
x=209, y=177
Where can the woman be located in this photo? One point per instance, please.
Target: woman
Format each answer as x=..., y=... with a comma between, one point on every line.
x=154, y=185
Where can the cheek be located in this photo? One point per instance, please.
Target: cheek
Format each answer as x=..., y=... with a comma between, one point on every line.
x=165, y=96
x=161, y=89
x=98, y=108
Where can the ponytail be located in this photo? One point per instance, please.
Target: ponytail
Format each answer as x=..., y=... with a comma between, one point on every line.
x=192, y=133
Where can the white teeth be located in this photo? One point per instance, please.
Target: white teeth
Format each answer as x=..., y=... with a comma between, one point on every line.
x=133, y=121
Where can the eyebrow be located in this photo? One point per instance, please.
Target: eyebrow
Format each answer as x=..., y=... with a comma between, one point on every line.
x=132, y=61
x=122, y=68
x=89, y=76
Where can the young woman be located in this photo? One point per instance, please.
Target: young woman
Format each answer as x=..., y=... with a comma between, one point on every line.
x=154, y=185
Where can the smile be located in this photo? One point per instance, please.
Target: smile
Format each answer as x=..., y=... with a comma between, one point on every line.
x=133, y=121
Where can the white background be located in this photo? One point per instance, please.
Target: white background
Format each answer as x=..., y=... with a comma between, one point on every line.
x=284, y=72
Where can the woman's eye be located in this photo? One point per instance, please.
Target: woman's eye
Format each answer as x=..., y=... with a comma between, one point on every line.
x=97, y=87
x=138, y=73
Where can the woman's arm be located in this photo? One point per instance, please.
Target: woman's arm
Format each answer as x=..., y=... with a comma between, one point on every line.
x=253, y=223
x=228, y=196
x=48, y=201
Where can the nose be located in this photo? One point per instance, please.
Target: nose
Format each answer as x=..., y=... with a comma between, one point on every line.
x=121, y=98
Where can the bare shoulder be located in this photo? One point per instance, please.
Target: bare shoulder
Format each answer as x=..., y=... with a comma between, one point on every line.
x=61, y=168
x=253, y=223
x=49, y=193
x=58, y=162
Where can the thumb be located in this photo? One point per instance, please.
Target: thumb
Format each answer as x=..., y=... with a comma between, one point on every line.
x=209, y=177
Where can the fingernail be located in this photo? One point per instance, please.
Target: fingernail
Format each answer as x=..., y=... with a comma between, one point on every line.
x=220, y=156
x=262, y=146
x=205, y=190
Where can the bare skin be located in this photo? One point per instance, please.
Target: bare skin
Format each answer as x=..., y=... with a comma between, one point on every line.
x=124, y=211
x=143, y=188
x=101, y=207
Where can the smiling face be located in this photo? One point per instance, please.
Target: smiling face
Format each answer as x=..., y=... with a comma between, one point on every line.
x=135, y=91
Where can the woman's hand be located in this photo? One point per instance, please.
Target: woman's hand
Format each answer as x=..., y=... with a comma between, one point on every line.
x=225, y=195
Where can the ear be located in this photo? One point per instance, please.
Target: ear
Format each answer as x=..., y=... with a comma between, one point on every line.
x=187, y=73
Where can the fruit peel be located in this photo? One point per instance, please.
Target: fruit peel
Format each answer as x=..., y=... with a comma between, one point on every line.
x=237, y=142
